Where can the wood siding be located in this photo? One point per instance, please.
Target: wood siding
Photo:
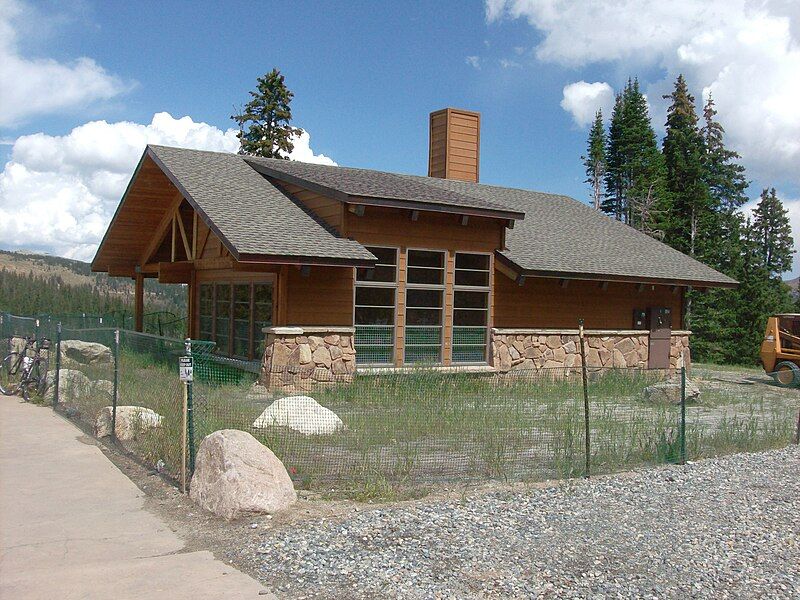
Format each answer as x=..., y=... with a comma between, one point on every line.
x=324, y=297
x=543, y=302
x=454, y=147
x=329, y=210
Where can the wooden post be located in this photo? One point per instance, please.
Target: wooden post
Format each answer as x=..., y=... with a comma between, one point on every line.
x=183, y=437
x=138, y=307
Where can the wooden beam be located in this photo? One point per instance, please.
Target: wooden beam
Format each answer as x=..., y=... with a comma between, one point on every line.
x=161, y=229
x=121, y=271
x=186, y=247
x=174, y=248
x=194, y=234
x=138, y=305
x=175, y=272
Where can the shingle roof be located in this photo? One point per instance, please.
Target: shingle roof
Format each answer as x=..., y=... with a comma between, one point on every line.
x=254, y=216
x=561, y=235
x=351, y=184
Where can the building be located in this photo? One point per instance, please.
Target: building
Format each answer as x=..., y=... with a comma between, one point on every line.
x=343, y=267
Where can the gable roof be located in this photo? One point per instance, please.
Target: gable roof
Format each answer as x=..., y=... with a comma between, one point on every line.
x=561, y=236
x=252, y=217
x=363, y=186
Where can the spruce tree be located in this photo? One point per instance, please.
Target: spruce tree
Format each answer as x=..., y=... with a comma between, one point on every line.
x=635, y=175
x=595, y=159
x=724, y=176
x=773, y=233
x=264, y=128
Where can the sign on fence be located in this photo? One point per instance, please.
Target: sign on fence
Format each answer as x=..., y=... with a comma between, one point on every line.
x=186, y=368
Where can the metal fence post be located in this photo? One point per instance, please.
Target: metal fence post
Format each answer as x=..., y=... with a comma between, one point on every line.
x=115, y=398
x=797, y=433
x=190, y=411
x=584, y=376
x=56, y=377
x=683, y=415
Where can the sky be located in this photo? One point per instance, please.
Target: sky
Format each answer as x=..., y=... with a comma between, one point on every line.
x=84, y=85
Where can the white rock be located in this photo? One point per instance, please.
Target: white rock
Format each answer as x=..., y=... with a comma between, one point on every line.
x=669, y=392
x=299, y=413
x=131, y=421
x=86, y=353
x=72, y=384
x=235, y=474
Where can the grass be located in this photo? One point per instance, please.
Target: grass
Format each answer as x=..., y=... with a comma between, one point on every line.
x=406, y=432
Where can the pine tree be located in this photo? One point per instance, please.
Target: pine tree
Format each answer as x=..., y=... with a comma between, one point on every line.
x=267, y=118
x=635, y=176
x=773, y=234
x=724, y=177
x=595, y=159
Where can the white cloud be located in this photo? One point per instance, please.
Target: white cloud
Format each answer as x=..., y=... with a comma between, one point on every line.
x=58, y=193
x=582, y=100
x=35, y=86
x=745, y=52
x=473, y=61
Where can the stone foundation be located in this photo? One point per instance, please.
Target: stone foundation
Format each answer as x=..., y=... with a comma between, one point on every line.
x=514, y=349
x=298, y=358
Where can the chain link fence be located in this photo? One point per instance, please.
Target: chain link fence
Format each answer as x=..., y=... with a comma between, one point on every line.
x=383, y=430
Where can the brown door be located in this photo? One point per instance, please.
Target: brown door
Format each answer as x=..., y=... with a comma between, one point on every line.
x=660, y=321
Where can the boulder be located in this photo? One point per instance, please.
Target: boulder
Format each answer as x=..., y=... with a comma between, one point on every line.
x=299, y=413
x=131, y=421
x=72, y=384
x=235, y=474
x=669, y=392
x=86, y=353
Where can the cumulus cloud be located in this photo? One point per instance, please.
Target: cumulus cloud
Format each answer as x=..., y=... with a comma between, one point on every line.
x=582, y=100
x=58, y=193
x=35, y=86
x=744, y=52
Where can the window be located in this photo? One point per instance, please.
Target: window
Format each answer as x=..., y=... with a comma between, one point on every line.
x=424, y=306
x=470, y=307
x=233, y=315
x=375, y=299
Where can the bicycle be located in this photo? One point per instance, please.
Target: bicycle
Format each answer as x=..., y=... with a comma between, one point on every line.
x=20, y=372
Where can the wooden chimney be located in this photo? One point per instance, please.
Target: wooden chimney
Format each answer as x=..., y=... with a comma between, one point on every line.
x=455, y=144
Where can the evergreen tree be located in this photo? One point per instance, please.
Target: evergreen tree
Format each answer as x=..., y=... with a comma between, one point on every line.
x=692, y=217
x=266, y=118
x=724, y=176
x=595, y=160
x=773, y=234
x=635, y=175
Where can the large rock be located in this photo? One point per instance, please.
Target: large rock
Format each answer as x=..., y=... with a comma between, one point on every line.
x=299, y=413
x=131, y=421
x=72, y=384
x=235, y=474
x=86, y=353
x=669, y=392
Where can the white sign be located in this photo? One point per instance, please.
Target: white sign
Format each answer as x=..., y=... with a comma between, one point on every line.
x=186, y=368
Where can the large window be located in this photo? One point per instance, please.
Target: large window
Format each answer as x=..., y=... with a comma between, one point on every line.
x=233, y=315
x=470, y=307
x=376, y=292
x=424, y=306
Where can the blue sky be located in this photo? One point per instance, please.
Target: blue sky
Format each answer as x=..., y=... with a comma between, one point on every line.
x=365, y=76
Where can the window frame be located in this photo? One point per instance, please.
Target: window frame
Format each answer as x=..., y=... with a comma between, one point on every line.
x=426, y=286
x=232, y=282
x=487, y=289
x=393, y=285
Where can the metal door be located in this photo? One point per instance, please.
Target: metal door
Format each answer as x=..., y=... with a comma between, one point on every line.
x=660, y=321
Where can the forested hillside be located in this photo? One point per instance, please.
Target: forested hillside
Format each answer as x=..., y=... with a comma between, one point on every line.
x=33, y=284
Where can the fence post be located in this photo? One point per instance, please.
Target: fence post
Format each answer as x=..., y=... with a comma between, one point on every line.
x=683, y=415
x=797, y=433
x=190, y=410
x=584, y=376
x=115, y=398
x=58, y=365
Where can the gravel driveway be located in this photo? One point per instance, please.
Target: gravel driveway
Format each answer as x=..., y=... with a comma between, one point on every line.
x=721, y=528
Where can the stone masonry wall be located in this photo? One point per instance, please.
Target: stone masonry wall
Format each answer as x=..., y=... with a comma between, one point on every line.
x=297, y=358
x=537, y=349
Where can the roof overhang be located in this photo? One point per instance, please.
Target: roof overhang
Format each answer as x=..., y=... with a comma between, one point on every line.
x=521, y=272
x=382, y=201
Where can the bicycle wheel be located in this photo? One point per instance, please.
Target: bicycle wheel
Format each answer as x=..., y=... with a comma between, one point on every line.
x=10, y=374
x=41, y=370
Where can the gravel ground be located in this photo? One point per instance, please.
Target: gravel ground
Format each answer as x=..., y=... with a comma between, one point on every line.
x=720, y=528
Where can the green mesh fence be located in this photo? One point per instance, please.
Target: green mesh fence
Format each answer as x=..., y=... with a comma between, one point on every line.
x=374, y=344
x=384, y=429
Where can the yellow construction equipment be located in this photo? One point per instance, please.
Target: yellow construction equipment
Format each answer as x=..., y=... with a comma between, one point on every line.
x=780, y=350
